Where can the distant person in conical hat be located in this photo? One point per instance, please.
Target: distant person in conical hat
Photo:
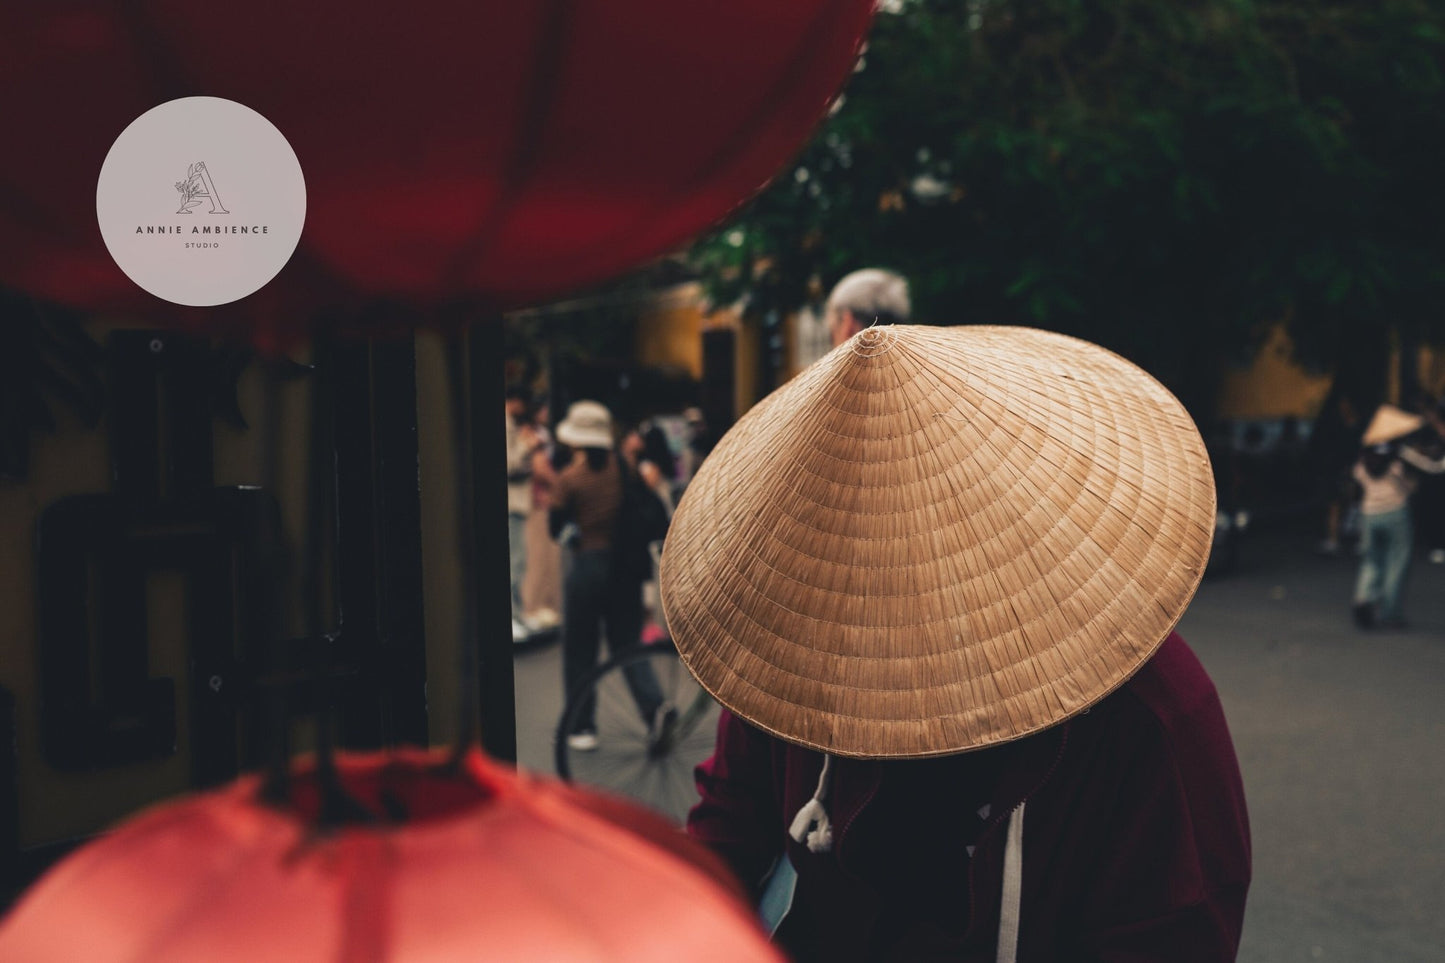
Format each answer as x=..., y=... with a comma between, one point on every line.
x=934, y=581
x=1387, y=530
x=864, y=298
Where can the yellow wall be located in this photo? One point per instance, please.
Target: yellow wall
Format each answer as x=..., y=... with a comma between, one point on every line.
x=669, y=335
x=669, y=330
x=1273, y=385
x=1270, y=386
x=745, y=366
x=1432, y=370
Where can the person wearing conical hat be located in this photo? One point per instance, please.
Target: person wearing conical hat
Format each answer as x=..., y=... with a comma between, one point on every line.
x=933, y=581
x=1387, y=532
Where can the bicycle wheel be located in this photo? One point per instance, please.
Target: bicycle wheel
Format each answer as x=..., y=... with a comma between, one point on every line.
x=649, y=760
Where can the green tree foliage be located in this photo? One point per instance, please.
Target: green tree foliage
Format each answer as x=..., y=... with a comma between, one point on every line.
x=1165, y=177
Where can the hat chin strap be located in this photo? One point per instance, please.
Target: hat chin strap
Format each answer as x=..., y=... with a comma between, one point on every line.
x=812, y=823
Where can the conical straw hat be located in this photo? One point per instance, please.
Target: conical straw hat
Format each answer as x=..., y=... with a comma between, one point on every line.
x=939, y=539
x=1390, y=423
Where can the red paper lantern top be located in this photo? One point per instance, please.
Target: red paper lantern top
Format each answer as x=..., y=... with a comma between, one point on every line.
x=502, y=152
x=487, y=865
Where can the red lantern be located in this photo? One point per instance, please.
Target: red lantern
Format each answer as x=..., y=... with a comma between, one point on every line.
x=495, y=152
x=485, y=865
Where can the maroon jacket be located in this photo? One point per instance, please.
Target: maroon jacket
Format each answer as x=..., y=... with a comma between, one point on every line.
x=1135, y=838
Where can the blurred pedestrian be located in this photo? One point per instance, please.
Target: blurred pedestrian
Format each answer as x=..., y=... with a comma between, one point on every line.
x=602, y=589
x=522, y=441
x=542, y=582
x=649, y=454
x=864, y=298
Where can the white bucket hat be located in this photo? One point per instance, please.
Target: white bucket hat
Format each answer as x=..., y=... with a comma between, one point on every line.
x=587, y=425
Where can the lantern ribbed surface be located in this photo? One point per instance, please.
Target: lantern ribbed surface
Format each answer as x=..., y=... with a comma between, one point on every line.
x=486, y=864
x=939, y=539
x=508, y=154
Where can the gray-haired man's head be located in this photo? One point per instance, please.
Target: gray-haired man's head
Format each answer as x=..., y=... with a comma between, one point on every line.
x=863, y=298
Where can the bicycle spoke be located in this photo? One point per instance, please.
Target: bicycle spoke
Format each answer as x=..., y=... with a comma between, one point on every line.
x=676, y=679
x=662, y=792
x=678, y=794
x=620, y=769
x=697, y=710
x=620, y=706
x=630, y=759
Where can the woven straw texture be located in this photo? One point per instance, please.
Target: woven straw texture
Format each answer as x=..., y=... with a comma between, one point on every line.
x=1389, y=424
x=939, y=539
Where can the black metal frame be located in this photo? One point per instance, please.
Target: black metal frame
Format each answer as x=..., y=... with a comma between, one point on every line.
x=163, y=513
x=492, y=580
x=378, y=541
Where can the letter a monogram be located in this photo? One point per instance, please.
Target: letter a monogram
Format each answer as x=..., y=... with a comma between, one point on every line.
x=198, y=185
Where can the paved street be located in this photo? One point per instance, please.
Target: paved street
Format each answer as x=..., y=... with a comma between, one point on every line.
x=539, y=704
x=1340, y=736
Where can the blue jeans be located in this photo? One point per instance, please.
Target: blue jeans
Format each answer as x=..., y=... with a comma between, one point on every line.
x=1388, y=539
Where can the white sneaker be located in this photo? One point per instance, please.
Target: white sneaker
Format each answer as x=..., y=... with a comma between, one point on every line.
x=520, y=632
x=582, y=741
x=542, y=620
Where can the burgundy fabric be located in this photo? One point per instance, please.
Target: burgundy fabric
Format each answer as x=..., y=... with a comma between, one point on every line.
x=500, y=152
x=1136, y=837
